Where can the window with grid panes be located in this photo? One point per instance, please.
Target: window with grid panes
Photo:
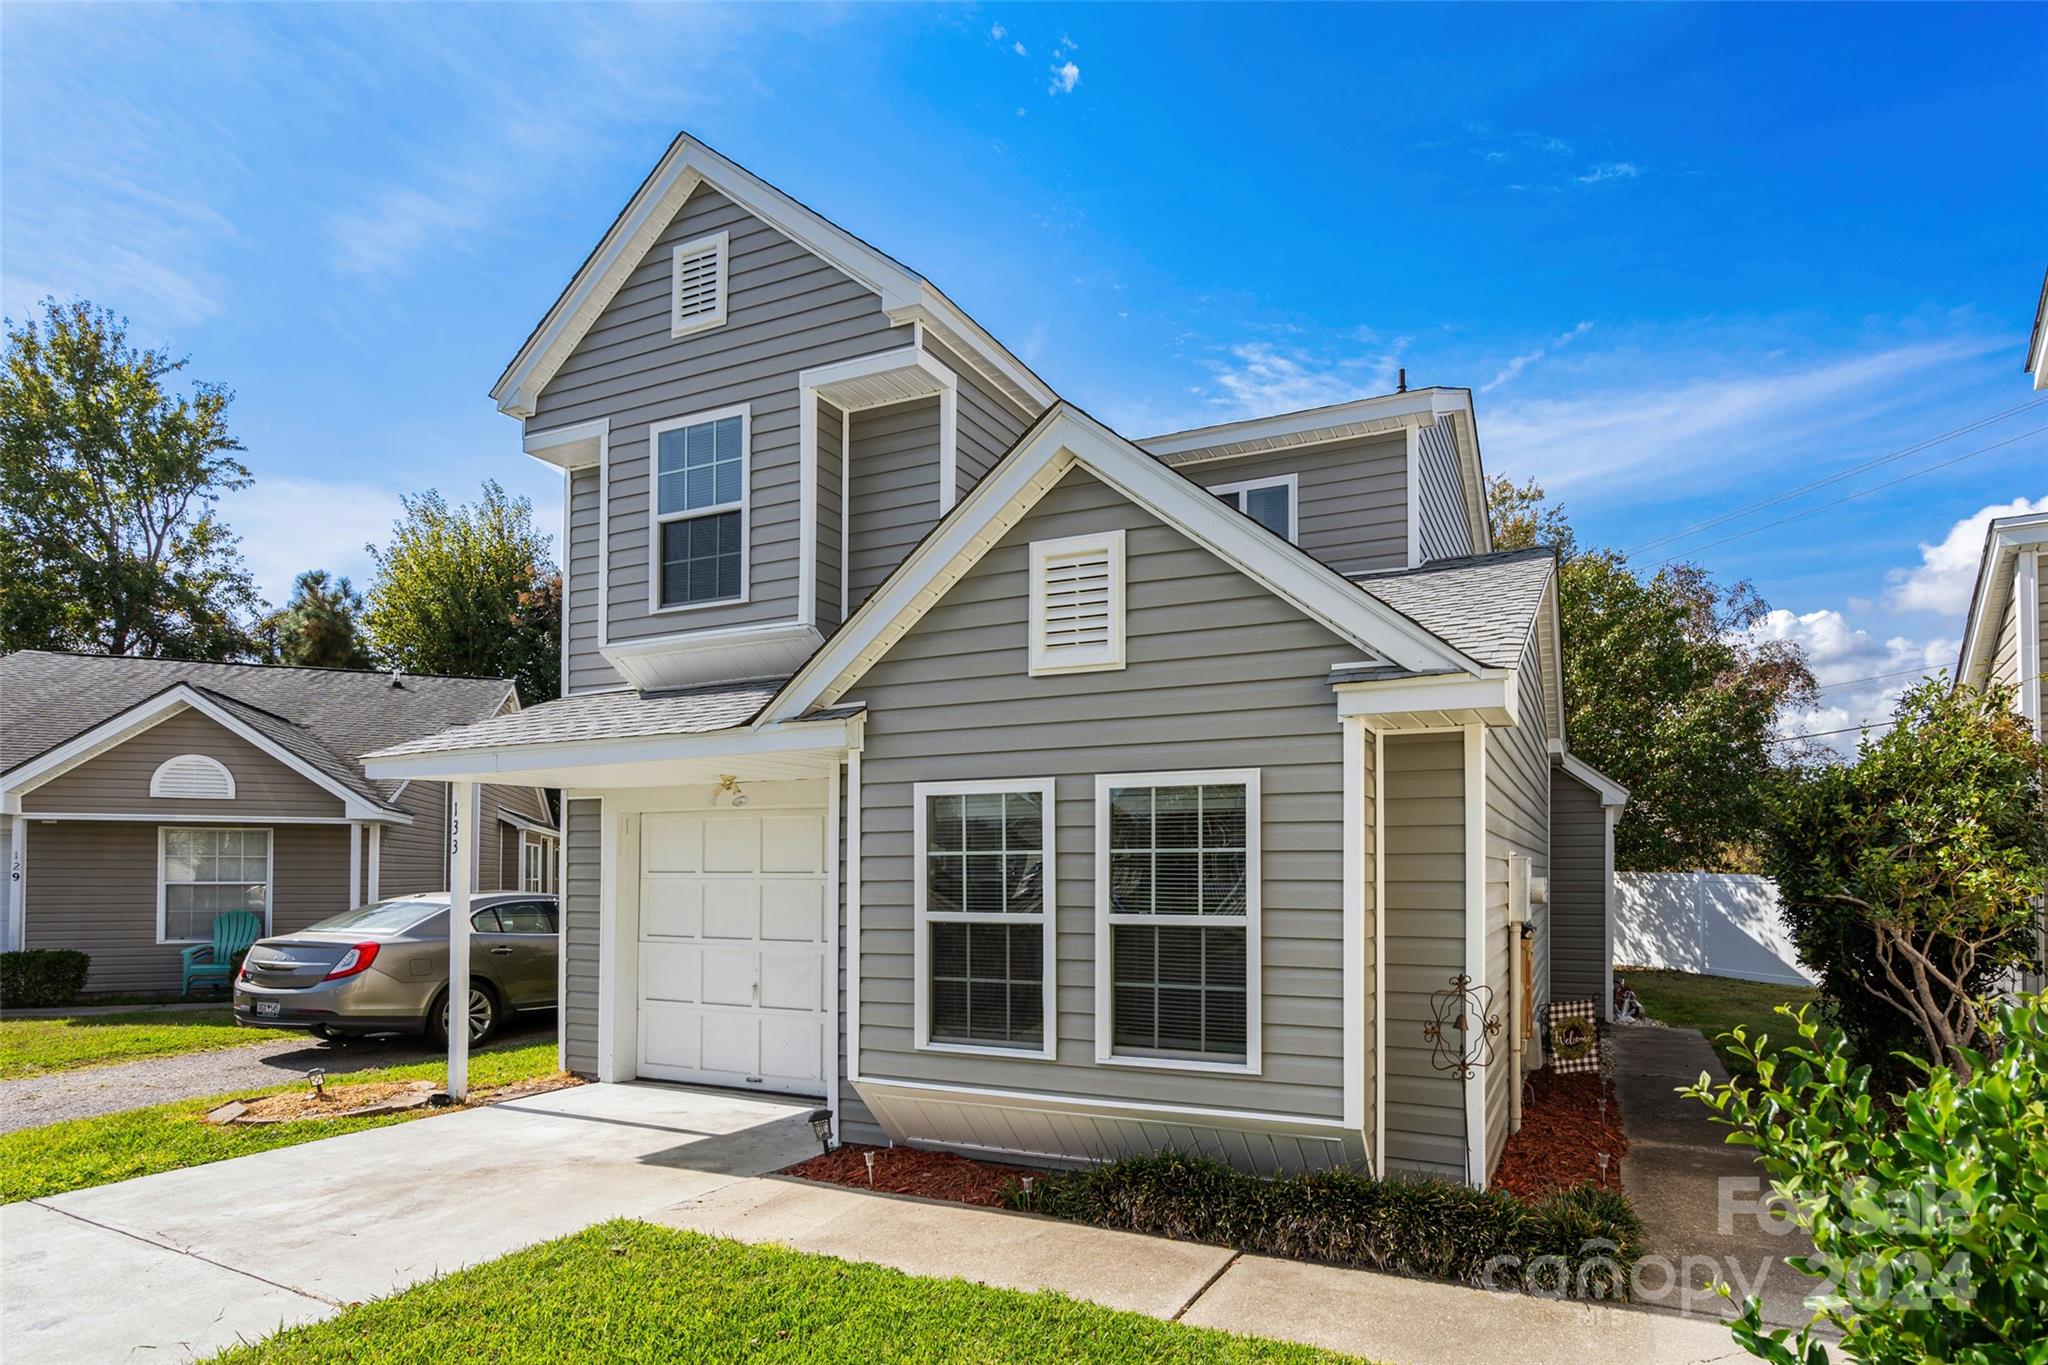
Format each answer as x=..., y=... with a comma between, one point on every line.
x=984, y=860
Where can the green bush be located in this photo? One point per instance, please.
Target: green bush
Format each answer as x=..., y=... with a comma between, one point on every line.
x=1580, y=1243
x=42, y=977
x=1929, y=1223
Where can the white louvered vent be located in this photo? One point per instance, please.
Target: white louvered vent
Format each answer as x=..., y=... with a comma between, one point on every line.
x=697, y=290
x=192, y=777
x=1077, y=603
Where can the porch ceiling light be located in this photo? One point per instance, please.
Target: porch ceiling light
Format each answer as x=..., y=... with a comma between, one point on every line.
x=728, y=785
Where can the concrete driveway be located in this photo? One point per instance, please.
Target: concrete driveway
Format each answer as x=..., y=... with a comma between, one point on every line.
x=177, y=1266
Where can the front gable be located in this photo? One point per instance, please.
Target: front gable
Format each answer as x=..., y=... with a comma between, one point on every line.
x=117, y=781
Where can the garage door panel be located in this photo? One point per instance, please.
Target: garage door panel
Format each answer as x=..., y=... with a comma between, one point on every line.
x=732, y=909
x=793, y=1047
x=671, y=972
x=671, y=907
x=732, y=846
x=672, y=843
x=732, y=1042
x=729, y=976
x=671, y=1038
x=793, y=912
x=792, y=981
x=792, y=843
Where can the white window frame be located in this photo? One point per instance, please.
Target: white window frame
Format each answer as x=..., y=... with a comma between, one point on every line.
x=156, y=779
x=656, y=519
x=162, y=886
x=1291, y=482
x=1040, y=663
x=678, y=326
x=922, y=918
x=532, y=846
x=1105, y=1002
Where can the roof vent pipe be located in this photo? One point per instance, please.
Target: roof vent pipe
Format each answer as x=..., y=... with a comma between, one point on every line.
x=1403, y=380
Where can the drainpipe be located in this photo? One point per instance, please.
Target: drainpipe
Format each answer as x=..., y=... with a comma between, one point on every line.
x=1519, y=985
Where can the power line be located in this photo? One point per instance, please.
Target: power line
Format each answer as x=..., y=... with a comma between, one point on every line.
x=1861, y=493
x=1875, y=677
x=1832, y=479
x=1823, y=734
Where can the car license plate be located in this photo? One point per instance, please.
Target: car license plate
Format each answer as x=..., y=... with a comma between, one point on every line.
x=266, y=1009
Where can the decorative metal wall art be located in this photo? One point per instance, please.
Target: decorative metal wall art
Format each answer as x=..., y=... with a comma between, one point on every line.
x=1462, y=1028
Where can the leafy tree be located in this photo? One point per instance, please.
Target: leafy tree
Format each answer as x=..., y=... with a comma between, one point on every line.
x=109, y=537
x=1908, y=876
x=469, y=590
x=1665, y=691
x=1929, y=1215
x=319, y=627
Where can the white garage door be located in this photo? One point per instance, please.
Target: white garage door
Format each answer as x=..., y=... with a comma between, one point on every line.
x=732, y=949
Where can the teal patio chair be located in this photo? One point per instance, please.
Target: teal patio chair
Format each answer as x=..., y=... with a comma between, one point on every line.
x=215, y=961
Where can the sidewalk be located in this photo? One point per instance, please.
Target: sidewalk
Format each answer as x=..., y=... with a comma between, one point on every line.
x=1384, y=1318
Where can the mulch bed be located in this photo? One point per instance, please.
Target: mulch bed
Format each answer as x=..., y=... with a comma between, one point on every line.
x=905, y=1170
x=367, y=1099
x=1563, y=1133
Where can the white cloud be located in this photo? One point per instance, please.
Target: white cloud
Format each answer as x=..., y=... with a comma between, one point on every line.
x=1602, y=172
x=289, y=525
x=998, y=32
x=1947, y=572
x=1522, y=362
x=1861, y=677
x=1065, y=77
x=1020, y=49
x=1260, y=378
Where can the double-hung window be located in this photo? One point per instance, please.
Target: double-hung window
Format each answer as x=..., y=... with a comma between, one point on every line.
x=206, y=873
x=984, y=916
x=1273, y=503
x=699, y=509
x=1177, y=928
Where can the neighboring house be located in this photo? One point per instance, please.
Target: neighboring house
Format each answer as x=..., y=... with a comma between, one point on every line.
x=140, y=798
x=1010, y=786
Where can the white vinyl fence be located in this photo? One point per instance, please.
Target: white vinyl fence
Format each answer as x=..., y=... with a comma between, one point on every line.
x=1718, y=923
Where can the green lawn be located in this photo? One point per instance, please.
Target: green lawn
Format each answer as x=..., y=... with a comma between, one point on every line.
x=629, y=1291
x=1715, y=1004
x=78, y=1153
x=35, y=1047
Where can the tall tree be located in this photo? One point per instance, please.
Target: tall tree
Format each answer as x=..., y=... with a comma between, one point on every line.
x=469, y=590
x=319, y=627
x=109, y=535
x=1666, y=692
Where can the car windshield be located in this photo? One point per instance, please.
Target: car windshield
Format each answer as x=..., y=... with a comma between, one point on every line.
x=382, y=917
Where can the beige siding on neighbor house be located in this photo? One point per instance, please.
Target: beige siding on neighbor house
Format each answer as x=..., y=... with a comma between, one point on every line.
x=1578, y=891
x=2005, y=660
x=1354, y=497
x=1517, y=821
x=1425, y=938
x=788, y=310
x=953, y=700
x=582, y=879
x=95, y=890
x=117, y=781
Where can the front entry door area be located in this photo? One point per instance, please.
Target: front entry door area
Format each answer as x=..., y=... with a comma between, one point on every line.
x=732, y=975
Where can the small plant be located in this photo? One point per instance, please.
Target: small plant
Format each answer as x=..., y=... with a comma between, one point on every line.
x=41, y=978
x=1578, y=1243
x=1930, y=1223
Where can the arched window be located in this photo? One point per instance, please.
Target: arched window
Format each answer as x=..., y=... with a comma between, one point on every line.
x=193, y=777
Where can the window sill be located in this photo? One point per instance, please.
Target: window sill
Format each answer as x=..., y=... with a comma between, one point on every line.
x=739, y=601
x=1246, y=1068
x=989, y=1050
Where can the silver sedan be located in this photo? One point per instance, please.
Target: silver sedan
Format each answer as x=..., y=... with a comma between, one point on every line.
x=383, y=968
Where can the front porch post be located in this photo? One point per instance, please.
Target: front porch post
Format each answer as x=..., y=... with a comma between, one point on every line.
x=355, y=863
x=376, y=859
x=462, y=850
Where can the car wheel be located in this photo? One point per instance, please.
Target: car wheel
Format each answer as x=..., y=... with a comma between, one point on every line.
x=483, y=1016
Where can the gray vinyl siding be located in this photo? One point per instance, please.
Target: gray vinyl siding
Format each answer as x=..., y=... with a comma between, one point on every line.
x=953, y=700
x=1441, y=527
x=1354, y=497
x=93, y=888
x=2005, y=660
x=414, y=857
x=581, y=879
x=117, y=781
x=588, y=671
x=498, y=868
x=895, y=490
x=787, y=310
x=1517, y=821
x=989, y=424
x=831, y=519
x=1425, y=938
x=856, y=1123
x=1578, y=891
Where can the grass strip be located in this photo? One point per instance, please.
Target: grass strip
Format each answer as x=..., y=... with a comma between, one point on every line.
x=37, y=1047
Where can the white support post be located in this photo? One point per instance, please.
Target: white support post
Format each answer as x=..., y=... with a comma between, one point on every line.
x=462, y=818
x=376, y=861
x=355, y=863
x=17, y=886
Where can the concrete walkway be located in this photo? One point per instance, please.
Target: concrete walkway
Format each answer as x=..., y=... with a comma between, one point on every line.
x=88, y=1092
x=1703, y=1202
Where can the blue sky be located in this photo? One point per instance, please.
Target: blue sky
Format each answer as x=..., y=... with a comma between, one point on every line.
x=1688, y=257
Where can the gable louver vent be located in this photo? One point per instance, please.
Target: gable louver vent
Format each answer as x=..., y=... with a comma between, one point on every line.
x=192, y=777
x=1077, y=603
x=697, y=293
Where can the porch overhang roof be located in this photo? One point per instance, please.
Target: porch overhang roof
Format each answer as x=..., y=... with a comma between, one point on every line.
x=789, y=750
x=1426, y=701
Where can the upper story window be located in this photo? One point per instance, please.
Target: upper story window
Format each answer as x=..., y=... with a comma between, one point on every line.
x=700, y=509
x=1077, y=604
x=1272, y=503
x=697, y=285
x=192, y=777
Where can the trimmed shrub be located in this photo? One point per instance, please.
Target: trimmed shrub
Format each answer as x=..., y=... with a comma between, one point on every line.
x=42, y=977
x=1578, y=1243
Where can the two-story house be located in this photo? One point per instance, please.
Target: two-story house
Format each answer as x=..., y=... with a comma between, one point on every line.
x=1010, y=785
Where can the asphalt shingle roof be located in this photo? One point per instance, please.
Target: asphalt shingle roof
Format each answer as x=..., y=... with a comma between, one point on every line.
x=326, y=716
x=1481, y=604
x=607, y=715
